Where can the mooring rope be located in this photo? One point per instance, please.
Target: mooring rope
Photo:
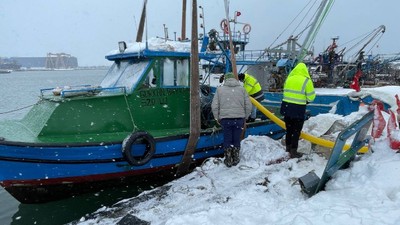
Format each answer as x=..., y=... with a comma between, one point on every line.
x=130, y=113
x=15, y=110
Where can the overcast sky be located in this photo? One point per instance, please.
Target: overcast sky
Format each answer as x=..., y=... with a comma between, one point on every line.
x=89, y=29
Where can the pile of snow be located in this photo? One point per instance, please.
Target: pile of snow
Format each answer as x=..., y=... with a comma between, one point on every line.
x=257, y=193
x=263, y=189
x=156, y=44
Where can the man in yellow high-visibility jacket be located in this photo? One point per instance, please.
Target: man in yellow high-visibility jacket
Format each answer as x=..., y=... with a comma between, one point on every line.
x=298, y=91
x=254, y=89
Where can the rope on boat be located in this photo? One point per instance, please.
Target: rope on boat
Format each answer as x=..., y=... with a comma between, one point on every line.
x=130, y=113
x=15, y=110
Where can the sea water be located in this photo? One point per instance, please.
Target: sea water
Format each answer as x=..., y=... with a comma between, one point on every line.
x=19, y=91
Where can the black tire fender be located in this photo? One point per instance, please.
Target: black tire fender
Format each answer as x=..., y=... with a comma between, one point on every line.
x=138, y=137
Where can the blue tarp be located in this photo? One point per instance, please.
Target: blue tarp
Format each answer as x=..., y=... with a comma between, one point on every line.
x=282, y=62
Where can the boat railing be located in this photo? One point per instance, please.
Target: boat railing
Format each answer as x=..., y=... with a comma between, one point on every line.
x=236, y=37
x=80, y=90
x=252, y=56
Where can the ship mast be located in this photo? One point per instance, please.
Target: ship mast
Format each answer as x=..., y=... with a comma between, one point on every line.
x=321, y=15
x=139, y=35
x=183, y=37
x=232, y=52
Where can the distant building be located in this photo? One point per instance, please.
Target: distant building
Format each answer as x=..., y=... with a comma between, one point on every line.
x=50, y=62
x=61, y=61
x=30, y=62
x=9, y=64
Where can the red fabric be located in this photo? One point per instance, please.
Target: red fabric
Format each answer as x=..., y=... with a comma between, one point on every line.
x=391, y=129
x=378, y=124
x=377, y=103
x=398, y=107
x=392, y=125
x=355, y=85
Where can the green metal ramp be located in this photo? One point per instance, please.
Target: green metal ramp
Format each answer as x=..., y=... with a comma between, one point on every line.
x=311, y=183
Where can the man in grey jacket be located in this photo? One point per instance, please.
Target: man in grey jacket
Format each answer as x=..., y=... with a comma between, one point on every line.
x=231, y=106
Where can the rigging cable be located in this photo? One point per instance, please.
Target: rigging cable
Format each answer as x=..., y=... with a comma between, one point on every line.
x=353, y=46
x=291, y=22
x=372, y=46
x=302, y=10
x=309, y=22
x=367, y=36
x=15, y=110
x=316, y=26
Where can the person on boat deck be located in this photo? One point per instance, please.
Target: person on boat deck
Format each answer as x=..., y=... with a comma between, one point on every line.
x=254, y=89
x=298, y=91
x=231, y=106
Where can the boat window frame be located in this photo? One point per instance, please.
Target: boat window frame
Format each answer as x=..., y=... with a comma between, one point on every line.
x=177, y=71
x=131, y=85
x=149, y=73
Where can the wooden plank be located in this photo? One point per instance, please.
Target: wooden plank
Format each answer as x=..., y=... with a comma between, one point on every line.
x=194, y=135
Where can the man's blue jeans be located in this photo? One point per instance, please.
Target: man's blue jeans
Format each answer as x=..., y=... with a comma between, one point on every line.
x=232, y=129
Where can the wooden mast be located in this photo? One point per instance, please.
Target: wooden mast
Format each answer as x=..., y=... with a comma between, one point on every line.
x=194, y=135
x=139, y=35
x=233, y=58
x=183, y=35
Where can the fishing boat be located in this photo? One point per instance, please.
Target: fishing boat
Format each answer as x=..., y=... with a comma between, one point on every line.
x=5, y=71
x=135, y=125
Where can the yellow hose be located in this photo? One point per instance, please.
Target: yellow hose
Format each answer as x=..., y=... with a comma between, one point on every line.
x=308, y=137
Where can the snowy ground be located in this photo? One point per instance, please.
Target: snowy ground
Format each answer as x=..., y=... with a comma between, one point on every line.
x=258, y=192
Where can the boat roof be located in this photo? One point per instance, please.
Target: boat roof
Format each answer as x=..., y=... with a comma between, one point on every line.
x=160, y=47
x=152, y=48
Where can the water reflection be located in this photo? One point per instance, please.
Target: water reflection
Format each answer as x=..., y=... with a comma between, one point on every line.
x=64, y=211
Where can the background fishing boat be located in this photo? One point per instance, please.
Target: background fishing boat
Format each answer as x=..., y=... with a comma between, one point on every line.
x=5, y=71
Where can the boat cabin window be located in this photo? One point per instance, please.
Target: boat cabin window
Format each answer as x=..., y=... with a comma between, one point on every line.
x=150, y=80
x=124, y=74
x=175, y=73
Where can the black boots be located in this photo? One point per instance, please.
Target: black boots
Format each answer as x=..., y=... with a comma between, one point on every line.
x=235, y=156
x=294, y=154
x=228, y=156
x=288, y=149
x=232, y=157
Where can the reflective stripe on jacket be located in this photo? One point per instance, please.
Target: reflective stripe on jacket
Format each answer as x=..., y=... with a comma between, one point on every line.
x=299, y=88
x=251, y=84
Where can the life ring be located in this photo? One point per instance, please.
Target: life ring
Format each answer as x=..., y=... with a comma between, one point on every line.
x=246, y=28
x=224, y=26
x=127, y=149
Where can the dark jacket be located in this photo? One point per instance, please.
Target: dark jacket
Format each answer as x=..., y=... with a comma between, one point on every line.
x=292, y=110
